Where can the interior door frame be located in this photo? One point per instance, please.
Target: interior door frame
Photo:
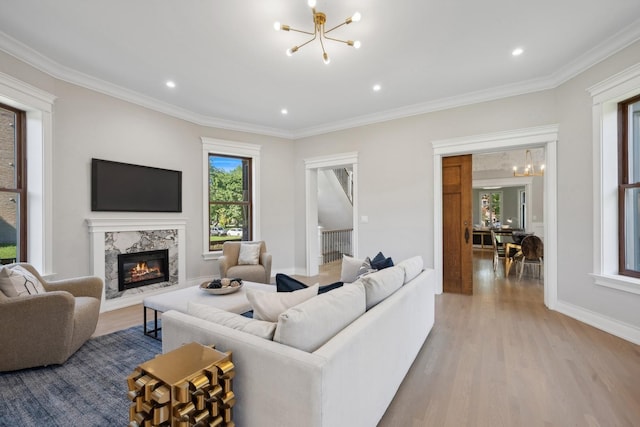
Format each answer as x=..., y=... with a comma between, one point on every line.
x=542, y=136
x=312, y=166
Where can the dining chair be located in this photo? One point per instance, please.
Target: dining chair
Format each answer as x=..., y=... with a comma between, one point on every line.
x=531, y=252
x=498, y=251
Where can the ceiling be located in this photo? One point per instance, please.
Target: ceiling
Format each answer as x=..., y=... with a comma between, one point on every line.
x=231, y=71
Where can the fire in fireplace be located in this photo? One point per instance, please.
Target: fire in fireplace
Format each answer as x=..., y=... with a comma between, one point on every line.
x=142, y=268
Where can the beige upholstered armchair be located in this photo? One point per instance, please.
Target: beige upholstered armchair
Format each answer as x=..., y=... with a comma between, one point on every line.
x=229, y=267
x=47, y=328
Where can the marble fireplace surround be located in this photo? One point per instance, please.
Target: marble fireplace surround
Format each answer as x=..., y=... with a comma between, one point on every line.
x=102, y=231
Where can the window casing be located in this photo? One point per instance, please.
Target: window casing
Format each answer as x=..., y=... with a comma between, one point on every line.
x=606, y=96
x=13, y=185
x=248, y=155
x=629, y=187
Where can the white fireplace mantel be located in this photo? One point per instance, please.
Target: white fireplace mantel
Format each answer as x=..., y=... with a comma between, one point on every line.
x=99, y=226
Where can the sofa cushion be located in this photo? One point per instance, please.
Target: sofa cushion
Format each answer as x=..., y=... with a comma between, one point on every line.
x=249, y=253
x=412, y=267
x=381, y=284
x=232, y=320
x=349, y=269
x=268, y=305
x=380, y=262
x=309, y=325
x=18, y=281
x=286, y=283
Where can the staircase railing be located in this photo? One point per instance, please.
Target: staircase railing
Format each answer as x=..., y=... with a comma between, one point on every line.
x=346, y=181
x=335, y=243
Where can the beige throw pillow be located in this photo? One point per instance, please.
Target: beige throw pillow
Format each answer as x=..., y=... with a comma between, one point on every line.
x=249, y=254
x=18, y=281
x=268, y=305
x=350, y=267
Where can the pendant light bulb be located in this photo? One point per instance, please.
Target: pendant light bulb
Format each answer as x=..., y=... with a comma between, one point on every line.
x=325, y=58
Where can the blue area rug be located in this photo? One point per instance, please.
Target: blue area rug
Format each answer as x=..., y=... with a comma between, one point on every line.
x=90, y=389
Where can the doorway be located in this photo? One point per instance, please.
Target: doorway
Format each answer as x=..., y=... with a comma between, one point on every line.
x=312, y=167
x=544, y=136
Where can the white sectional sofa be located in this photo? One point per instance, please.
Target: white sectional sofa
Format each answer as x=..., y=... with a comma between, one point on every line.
x=349, y=380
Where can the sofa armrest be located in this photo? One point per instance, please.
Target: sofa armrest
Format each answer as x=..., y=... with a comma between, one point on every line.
x=265, y=260
x=269, y=376
x=89, y=286
x=36, y=330
x=223, y=265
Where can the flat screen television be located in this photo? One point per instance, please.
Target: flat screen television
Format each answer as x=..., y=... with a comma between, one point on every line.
x=133, y=188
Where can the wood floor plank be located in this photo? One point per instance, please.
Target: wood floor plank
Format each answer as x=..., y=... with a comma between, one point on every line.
x=500, y=358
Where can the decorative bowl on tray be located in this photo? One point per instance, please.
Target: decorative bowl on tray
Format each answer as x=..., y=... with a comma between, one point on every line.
x=221, y=286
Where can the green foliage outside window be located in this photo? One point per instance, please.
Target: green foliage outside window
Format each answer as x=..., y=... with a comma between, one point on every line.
x=229, y=199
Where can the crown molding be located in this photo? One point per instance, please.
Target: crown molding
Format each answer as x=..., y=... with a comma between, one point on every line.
x=26, y=54
x=598, y=53
x=608, y=47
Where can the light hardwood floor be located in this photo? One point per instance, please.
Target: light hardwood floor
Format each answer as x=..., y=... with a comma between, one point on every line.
x=500, y=358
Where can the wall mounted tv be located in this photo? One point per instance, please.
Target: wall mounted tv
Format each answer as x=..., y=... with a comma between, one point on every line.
x=133, y=188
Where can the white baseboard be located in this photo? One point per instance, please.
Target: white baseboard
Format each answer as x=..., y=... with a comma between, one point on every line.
x=597, y=320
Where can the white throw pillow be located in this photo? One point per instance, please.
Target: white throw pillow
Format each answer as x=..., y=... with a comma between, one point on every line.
x=412, y=267
x=232, y=320
x=268, y=305
x=249, y=254
x=309, y=325
x=350, y=267
x=18, y=281
x=381, y=284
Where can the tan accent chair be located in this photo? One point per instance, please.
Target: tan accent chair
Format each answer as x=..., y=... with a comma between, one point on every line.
x=228, y=262
x=46, y=329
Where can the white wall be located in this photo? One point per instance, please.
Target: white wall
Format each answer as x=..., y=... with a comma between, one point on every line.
x=90, y=124
x=395, y=175
x=396, y=183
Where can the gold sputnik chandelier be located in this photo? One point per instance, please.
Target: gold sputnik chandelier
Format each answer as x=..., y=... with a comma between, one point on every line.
x=319, y=32
x=529, y=169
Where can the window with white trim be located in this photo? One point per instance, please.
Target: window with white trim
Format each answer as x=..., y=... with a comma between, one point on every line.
x=230, y=200
x=231, y=196
x=608, y=216
x=629, y=187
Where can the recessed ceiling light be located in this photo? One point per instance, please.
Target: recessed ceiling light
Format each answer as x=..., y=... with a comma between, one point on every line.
x=376, y=88
x=284, y=111
x=517, y=51
x=171, y=84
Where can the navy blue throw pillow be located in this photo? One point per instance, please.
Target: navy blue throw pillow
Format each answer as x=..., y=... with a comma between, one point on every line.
x=286, y=283
x=379, y=262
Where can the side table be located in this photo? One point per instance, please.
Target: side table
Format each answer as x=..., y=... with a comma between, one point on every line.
x=189, y=386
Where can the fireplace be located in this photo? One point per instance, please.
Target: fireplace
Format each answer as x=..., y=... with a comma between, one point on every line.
x=142, y=268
